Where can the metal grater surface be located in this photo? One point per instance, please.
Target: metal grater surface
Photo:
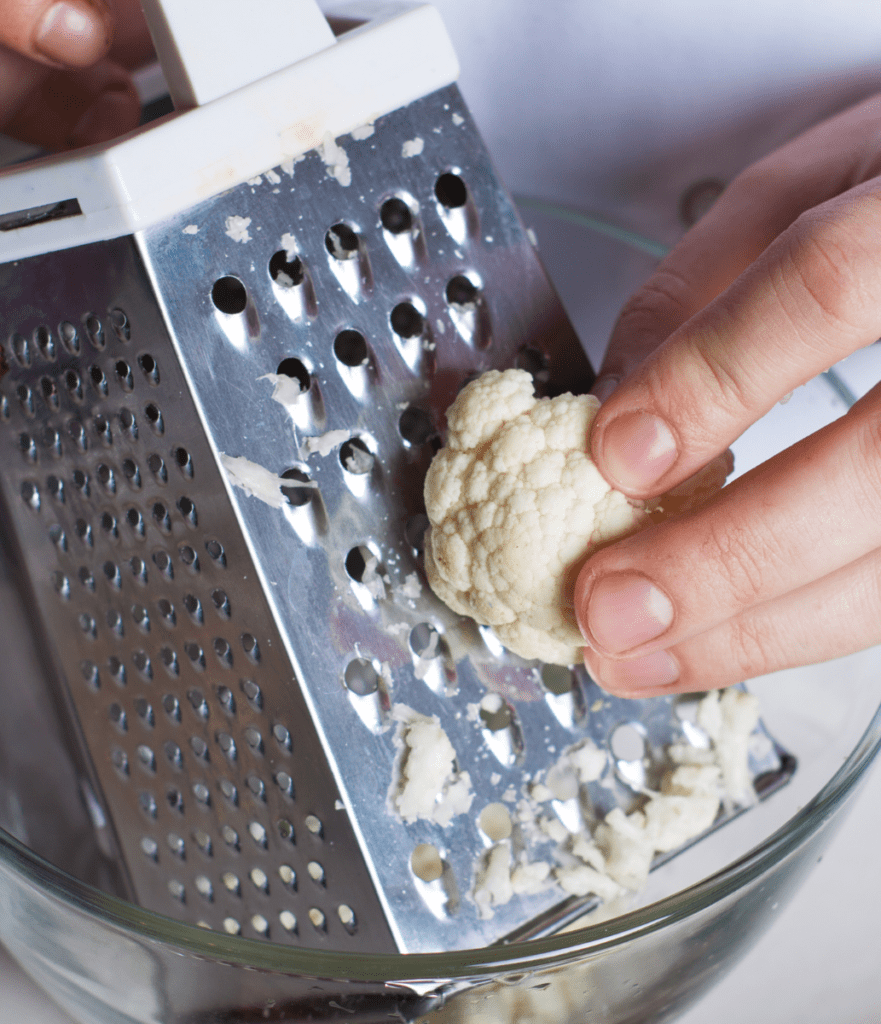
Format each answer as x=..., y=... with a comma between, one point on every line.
x=233, y=667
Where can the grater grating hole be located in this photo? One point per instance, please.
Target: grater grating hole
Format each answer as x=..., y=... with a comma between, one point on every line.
x=50, y=393
x=197, y=657
x=147, y=804
x=189, y=557
x=81, y=482
x=288, y=876
x=296, y=370
x=106, y=478
x=124, y=375
x=143, y=664
x=157, y=467
x=451, y=191
x=253, y=692
x=169, y=661
x=314, y=825
x=56, y=491
x=86, y=577
x=204, y=887
x=316, y=873
x=396, y=216
x=350, y=347
x=117, y=716
x=99, y=381
x=154, y=417
x=342, y=241
x=78, y=434
x=259, y=879
x=171, y=707
x=150, y=848
x=414, y=425
x=175, y=800
x=230, y=837
x=535, y=362
x=286, y=831
x=297, y=496
x=161, y=517
x=318, y=919
x=426, y=862
x=128, y=423
x=58, y=538
x=194, y=608
x=282, y=737
x=119, y=760
x=229, y=295
x=187, y=508
x=355, y=457
x=462, y=291
x=27, y=447
x=557, y=679
x=260, y=925
x=216, y=552
x=287, y=273
x=21, y=350
x=258, y=834
x=177, y=890
x=361, y=677
x=251, y=647
x=166, y=610
x=424, y=640
x=141, y=617
x=74, y=384
x=45, y=343
x=95, y=331
x=221, y=603
x=231, y=926
x=117, y=670
x=174, y=755
x=115, y=623
x=407, y=321
x=120, y=324
x=202, y=794
x=164, y=564
x=204, y=843
x=149, y=368
x=103, y=430
x=347, y=918
x=132, y=473
x=184, y=461
x=200, y=748
x=227, y=745
x=254, y=740
x=226, y=699
x=288, y=921
x=61, y=585
x=89, y=672
x=147, y=759
x=26, y=400
x=70, y=338
x=84, y=532
x=5, y=412
x=257, y=788
x=285, y=784
x=51, y=440
x=198, y=702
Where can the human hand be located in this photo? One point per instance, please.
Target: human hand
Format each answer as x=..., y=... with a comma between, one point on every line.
x=64, y=70
x=778, y=281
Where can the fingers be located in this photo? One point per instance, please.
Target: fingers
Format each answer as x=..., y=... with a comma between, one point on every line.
x=752, y=211
x=799, y=518
x=66, y=110
x=59, y=33
x=810, y=299
x=829, y=618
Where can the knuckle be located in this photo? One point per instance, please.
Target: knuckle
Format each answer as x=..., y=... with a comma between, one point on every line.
x=737, y=556
x=659, y=306
x=752, y=641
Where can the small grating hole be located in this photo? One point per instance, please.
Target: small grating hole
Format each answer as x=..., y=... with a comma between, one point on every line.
x=216, y=552
x=187, y=508
x=286, y=830
x=175, y=800
x=301, y=495
x=119, y=759
x=396, y=216
x=253, y=692
x=350, y=347
x=342, y=241
x=194, y=608
x=164, y=564
x=177, y=890
x=314, y=825
x=254, y=739
x=347, y=918
x=221, y=603
x=141, y=618
x=256, y=787
x=150, y=848
x=115, y=623
x=415, y=426
x=117, y=716
x=226, y=699
x=135, y=521
x=124, y=375
x=45, y=343
x=259, y=879
x=204, y=887
x=184, y=461
x=361, y=677
x=30, y=495
x=228, y=745
x=111, y=572
x=73, y=383
x=203, y=841
x=174, y=755
x=147, y=759
x=84, y=532
x=195, y=653
x=21, y=350
x=143, y=664
x=88, y=626
x=451, y=191
x=28, y=447
x=230, y=837
x=189, y=557
x=58, y=537
x=128, y=423
x=106, y=478
x=70, y=338
x=251, y=647
x=260, y=924
x=148, y=805
x=103, y=430
x=61, y=585
x=95, y=331
x=154, y=417
x=157, y=468
x=89, y=672
x=49, y=392
x=117, y=671
x=149, y=368
x=166, y=610
x=132, y=473
x=258, y=834
x=169, y=661
x=202, y=794
x=319, y=921
x=99, y=381
x=200, y=748
x=557, y=679
x=231, y=926
x=230, y=793
x=229, y=295
x=26, y=399
x=287, y=273
x=120, y=324
x=161, y=517
x=407, y=321
x=81, y=482
x=285, y=784
x=55, y=488
x=316, y=872
x=171, y=707
x=282, y=736
x=288, y=876
x=534, y=361
x=78, y=434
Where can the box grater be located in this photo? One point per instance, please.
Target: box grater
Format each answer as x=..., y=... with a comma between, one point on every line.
x=229, y=341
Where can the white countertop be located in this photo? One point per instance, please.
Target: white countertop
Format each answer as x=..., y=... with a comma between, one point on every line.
x=619, y=113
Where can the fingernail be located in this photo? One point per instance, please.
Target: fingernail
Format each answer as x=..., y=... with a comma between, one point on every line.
x=625, y=610
x=604, y=386
x=637, y=449
x=73, y=33
x=648, y=673
x=112, y=113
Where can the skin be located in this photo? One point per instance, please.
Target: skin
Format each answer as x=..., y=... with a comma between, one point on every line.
x=65, y=70
x=778, y=281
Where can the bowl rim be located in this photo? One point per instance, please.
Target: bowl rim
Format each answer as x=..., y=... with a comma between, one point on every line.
x=456, y=965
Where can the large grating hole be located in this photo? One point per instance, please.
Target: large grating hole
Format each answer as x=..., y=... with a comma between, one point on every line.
x=407, y=321
x=350, y=347
x=557, y=679
x=361, y=677
x=451, y=191
x=229, y=295
x=301, y=495
x=355, y=457
x=415, y=426
x=287, y=273
x=461, y=291
x=296, y=370
x=120, y=324
x=95, y=331
x=149, y=368
x=396, y=216
x=342, y=241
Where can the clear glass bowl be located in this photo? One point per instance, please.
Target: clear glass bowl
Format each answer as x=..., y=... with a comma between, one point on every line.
x=105, y=960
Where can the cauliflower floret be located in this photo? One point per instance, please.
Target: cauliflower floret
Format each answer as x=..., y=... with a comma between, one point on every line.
x=516, y=505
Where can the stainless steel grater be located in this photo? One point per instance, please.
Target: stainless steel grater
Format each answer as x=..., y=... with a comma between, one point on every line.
x=232, y=637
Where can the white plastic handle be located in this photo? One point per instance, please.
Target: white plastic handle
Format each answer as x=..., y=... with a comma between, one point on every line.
x=208, y=48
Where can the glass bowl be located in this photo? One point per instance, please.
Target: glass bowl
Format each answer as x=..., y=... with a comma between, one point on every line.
x=105, y=960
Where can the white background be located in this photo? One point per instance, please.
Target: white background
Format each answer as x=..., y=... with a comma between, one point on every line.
x=615, y=107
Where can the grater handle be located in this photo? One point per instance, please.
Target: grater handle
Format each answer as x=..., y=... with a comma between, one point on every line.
x=208, y=48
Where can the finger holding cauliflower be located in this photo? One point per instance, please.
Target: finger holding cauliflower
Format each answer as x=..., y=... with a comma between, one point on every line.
x=516, y=505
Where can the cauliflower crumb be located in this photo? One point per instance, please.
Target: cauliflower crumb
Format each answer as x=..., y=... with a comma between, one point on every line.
x=364, y=132
x=256, y=481
x=324, y=444
x=516, y=505
x=412, y=147
x=336, y=160
x=237, y=228
x=191, y=229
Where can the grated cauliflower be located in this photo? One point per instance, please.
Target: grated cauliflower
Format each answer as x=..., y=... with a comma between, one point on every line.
x=516, y=505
